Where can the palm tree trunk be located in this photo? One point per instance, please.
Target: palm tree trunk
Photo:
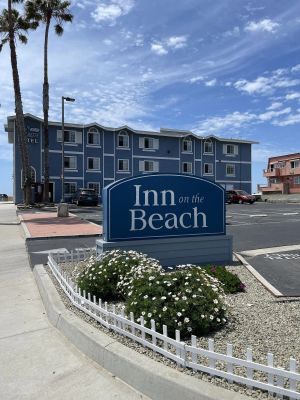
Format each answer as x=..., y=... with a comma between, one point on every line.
x=46, y=115
x=20, y=123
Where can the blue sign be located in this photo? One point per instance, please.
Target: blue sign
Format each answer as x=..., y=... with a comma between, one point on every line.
x=162, y=205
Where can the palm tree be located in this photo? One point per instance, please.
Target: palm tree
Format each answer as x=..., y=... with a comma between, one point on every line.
x=44, y=11
x=12, y=27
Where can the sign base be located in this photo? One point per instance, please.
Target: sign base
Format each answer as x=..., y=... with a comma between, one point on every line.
x=199, y=250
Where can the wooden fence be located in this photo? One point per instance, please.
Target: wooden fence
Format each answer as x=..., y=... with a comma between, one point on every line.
x=274, y=380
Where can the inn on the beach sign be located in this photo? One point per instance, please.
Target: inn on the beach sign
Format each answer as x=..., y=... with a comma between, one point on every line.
x=162, y=205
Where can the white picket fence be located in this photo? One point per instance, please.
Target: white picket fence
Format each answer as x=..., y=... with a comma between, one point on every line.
x=274, y=380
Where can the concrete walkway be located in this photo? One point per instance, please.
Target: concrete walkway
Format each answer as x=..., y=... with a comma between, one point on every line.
x=36, y=361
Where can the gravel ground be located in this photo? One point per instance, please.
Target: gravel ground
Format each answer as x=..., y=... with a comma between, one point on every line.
x=257, y=320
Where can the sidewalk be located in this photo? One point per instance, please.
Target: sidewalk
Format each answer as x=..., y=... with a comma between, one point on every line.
x=43, y=224
x=36, y=361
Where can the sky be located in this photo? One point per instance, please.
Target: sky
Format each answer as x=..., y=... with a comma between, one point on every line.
x=230, y=68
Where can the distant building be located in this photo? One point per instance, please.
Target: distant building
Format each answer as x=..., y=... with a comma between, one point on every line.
x=95, y=156
x=283, y=175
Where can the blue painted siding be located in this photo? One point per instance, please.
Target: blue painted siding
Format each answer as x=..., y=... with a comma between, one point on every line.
x=231, y=170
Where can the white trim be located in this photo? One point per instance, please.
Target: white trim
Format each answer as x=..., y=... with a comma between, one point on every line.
x=158, y=158
x=68, y=177
x=234, y=162
x=198, y=159
x=93, y=171
x=108, y=154
x=67, y=152
x=231, y=181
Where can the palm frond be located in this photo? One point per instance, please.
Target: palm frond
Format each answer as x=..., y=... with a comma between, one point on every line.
x=59, y=30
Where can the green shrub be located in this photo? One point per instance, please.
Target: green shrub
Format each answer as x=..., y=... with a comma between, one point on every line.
x=231, y=282
x=189, y=300
x=109, y=276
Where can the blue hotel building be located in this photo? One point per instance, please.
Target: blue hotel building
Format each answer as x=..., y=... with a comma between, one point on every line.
x=95, y=156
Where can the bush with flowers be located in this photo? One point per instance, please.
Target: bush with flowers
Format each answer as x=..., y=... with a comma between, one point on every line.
x=188, y=299
x=231, y=282
x=107, y=277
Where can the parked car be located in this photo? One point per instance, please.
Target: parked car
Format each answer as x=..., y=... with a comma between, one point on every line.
x=85, y=197
x=3, y=197
x=239, y=196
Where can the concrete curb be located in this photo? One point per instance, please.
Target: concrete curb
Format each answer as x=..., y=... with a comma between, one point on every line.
x=258, y=276
x=152, y=378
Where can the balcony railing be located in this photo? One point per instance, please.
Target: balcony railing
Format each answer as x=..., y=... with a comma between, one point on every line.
x=285, y=171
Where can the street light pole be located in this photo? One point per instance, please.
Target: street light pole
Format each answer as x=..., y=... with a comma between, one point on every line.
x=63, y=145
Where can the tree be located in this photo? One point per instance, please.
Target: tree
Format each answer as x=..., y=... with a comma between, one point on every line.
x=12, y=27
x=44, y=11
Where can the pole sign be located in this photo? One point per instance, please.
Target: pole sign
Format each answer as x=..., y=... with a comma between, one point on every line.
x=162, y=205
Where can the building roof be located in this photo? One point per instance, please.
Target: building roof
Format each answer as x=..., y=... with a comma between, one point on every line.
x=163, y=131
x=284, y=157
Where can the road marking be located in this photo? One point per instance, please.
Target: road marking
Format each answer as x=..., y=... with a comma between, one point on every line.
x=291, y=213
x=258, y=215
x=283, y=256
x=280, y=249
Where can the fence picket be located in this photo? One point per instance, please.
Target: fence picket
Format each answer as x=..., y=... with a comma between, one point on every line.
x=152, y=322
x=211, y=347
x=229, y=364
x=142, y=330
x=132, y=320
x=293, y=382
x=279, y=382
x=165, y=333
x=177, y=338
x=194, y=354
x=249, y=370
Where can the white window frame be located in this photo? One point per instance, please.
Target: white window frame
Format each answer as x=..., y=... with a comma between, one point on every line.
x=228, y=146
x=297, y=180
x=91, y=185
x=72, y=191
x=211, y=165
x=75, y=163
x=93, y=158
x=144, y=163
x=93, y=131
x=123, y=135
x=123, y=169
x=77, y=136
x=189, y=168
x=296, y=164
x=189, y=144
x=153, y=143
x=212, y=147
x=228, y=167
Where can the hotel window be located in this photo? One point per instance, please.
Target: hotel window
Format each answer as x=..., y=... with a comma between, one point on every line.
x=297, y=180
x=123, y=140
x=230, y=149
x=208, y=169
x=208, y=147
x=93, y=137
x=70, y=162
x=295, y=164
x=71, y=137
x=230, y=170
x=93, y=163
x=95, y=186
x=123, y=165
x=148, y=143
x=187, y=168
x=187, y=146
x=148, y=166
x=70, y=187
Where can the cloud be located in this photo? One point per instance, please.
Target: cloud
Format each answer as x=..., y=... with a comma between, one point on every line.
x=267, y=116
x=235, y=32
x=159, y=49
x=173, y=43
x=265, y=85
x=211, y=83
x=196, y=79
x=110, y=12
x=176, y=42
x=265, y=25
x=274, y=106
x=296, y=68
x=290, y=120
x=292, y=96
